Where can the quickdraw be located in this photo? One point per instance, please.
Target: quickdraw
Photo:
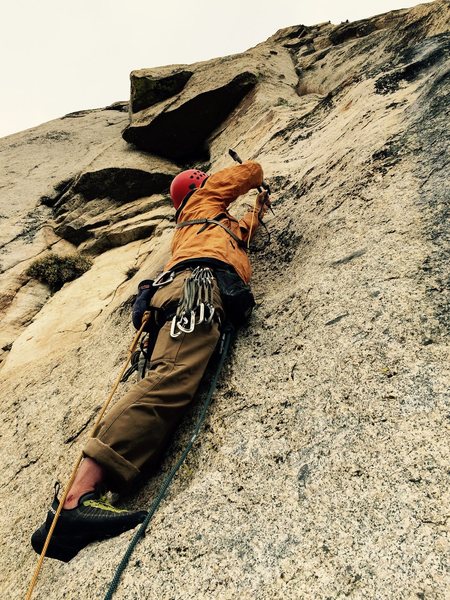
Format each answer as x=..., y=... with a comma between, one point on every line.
x=139, y=360
x=196, y=304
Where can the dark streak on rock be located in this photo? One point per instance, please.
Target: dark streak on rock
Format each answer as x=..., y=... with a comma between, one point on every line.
x=80, y=113
x=22, y=468
x=391, y=81
x=303, y=475
x=337, y=319
x=73, y=437
x=429, y=137
x=298, y=32
x=59, y=190
x=347, y=259
x=118, y=106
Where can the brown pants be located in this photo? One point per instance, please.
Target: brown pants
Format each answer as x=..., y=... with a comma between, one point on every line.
x=137, y=429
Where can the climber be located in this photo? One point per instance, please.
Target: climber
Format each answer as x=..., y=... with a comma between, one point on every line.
x=209, y=263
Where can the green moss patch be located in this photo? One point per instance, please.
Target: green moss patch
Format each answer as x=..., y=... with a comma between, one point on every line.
x=55, y=270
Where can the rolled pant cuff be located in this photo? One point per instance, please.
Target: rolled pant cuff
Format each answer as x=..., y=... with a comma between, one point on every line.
x=119, y=472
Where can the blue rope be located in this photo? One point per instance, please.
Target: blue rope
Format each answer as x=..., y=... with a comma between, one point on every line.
x=225, y=344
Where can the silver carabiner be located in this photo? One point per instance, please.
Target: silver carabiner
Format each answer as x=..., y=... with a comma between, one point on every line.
x=173, y=327
x=191, y=327
x=201, y=318
x=165, y=278
x=212, y=310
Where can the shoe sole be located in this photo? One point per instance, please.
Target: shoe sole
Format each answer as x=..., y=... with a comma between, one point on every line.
x=62, y=548
x=66, y=547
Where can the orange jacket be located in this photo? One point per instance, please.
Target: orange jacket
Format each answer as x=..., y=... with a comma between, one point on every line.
x=217, y=193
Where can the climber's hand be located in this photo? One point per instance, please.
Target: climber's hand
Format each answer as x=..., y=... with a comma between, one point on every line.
x=263, y=202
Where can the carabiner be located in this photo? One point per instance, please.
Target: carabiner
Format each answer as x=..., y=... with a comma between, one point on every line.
x=201, y=309
x=212, y=310
x=173, y=327
x=184, y=320
x=165, y=278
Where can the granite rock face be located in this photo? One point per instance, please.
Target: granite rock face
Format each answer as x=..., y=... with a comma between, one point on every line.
x=322, y=469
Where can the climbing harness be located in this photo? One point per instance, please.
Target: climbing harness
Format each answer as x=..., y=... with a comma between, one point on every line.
x=214, y=221
x=196, y=303
x=224, y=345
x=195, y=307
x=93, y=433
x=217, y=220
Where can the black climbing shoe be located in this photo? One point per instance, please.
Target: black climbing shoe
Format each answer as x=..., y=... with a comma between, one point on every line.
x=92, y=520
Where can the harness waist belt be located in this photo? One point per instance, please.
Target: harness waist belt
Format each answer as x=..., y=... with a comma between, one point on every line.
x=212, y=263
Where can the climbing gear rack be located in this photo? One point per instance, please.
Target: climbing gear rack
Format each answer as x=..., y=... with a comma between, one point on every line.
x=196, y=304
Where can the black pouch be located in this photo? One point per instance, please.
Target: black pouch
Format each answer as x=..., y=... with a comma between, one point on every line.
x=237, y=297
x=145, y=293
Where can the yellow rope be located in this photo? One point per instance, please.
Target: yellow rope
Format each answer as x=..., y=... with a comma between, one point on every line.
x=80, y=458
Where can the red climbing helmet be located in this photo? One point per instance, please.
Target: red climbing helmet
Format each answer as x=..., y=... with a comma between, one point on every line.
x=183, y=183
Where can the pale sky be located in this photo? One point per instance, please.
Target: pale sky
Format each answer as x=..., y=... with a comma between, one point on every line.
x=58, y=56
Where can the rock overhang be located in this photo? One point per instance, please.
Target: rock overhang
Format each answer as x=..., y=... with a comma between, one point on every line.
x=181, y=133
